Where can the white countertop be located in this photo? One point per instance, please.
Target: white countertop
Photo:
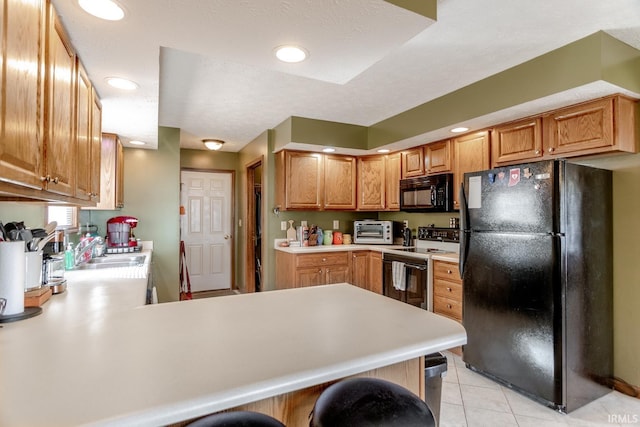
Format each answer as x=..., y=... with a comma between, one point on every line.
x=108, y=362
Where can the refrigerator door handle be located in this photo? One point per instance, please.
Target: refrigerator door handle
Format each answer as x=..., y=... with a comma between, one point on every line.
x=464, y=221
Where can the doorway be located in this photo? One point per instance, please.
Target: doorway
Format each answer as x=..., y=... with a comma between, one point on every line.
x=253, y=264
x=206, y=228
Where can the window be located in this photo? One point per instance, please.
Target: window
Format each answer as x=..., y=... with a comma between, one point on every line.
x=65, y=216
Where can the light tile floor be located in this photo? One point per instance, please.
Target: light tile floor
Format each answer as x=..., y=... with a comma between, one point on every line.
x=469, y=399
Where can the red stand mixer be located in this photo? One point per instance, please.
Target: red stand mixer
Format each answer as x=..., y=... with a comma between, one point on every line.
x=120, y=236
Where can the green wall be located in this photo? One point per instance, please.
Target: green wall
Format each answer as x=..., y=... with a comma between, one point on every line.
x=33, y=213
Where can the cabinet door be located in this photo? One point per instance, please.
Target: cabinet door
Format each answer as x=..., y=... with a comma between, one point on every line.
x=393, y=171
x=96, y=146
x=371, y=183
x=84, y=105
x=119, y=174
x=310, y=277
x=471, y=154
x=516, y=142
x=109, y=145
x=337, y=274
x=21, y=97
x=359, y=268
x=339, y=182
x=438, y=157
x=60, y=142
x=304, y=180
x=413, y=162
x=374, y=277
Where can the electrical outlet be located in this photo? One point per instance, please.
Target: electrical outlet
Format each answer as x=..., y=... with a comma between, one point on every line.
x=283, y=225
x=303, y=223
x=336, y=224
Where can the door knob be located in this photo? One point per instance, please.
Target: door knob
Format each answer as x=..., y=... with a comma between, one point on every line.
x=227, y=237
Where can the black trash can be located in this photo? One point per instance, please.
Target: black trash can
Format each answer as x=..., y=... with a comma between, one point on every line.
x=435, y=367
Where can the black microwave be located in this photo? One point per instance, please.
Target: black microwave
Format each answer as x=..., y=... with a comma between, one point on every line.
x=427, y=194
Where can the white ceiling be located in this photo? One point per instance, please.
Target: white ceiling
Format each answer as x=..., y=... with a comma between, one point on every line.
x=207, y=66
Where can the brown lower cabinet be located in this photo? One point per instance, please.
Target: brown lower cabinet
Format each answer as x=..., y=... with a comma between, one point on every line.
x=360, y=268
x=447, y=292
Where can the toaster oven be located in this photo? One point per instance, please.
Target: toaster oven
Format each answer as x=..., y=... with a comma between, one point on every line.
x=374, y=232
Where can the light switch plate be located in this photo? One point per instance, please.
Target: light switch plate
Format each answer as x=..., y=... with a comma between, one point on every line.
x=283, y=225
x=336, y=224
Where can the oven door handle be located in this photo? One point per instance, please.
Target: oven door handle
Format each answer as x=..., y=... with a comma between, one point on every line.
x=416, y=267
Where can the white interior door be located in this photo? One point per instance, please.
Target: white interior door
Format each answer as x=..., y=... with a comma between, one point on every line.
x=206, y=228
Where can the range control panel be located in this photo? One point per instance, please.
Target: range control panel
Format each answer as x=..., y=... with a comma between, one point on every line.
x=440, y=234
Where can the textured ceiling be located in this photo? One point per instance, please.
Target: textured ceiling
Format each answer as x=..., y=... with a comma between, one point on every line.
x=207, y=66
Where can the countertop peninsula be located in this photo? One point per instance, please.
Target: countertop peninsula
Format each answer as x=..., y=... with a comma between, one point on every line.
x=119, y=363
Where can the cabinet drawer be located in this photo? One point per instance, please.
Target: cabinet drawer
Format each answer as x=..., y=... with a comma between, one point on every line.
x=447, y=307
x=322, y=259
x=446, y=270
x=447, y=289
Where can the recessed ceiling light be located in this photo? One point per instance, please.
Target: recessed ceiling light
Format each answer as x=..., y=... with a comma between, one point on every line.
x=291, y=54
x=213, y=144
x=120, y=83
x=329, y=150
x=103, y=9
x=137, y=142
x=460, y=129
x=383, y=150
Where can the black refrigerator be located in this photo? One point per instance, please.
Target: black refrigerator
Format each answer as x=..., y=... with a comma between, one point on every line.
x=536, y=264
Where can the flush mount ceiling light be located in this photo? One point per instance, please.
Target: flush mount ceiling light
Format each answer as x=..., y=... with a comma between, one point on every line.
x=120, y=83
x=137, y=142
x=213, y=144
x=328, y=150
x=103, y=9
x=291, y=54
x=460, y=129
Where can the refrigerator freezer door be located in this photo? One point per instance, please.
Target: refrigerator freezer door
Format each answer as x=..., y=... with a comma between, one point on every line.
x=520, y=198
x=512, y=299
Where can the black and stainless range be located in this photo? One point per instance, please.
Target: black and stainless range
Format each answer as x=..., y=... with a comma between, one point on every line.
x=414, y=265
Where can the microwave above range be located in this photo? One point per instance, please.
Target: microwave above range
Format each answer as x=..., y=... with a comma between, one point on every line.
x=427, y=194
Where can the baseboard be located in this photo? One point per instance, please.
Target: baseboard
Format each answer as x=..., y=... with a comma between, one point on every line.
x=624, y=387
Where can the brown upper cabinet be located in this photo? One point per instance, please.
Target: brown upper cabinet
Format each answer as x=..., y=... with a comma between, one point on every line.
x=339, y=182
x=393, y=170
x=60, y=142
x=111, y=167
x=22, y=94
x=313, y=181
x=96, y=146
x=46, y=152
x=413, y=162
x=371, y=183
x=299, y=180
x=516, y=142
x=437, y=156
x=471, y=154
x=599, y=126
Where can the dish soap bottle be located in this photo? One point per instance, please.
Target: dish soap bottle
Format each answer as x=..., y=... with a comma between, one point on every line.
x=68, y=257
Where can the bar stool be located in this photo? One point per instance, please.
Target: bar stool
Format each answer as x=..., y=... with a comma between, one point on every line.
x=237, y=419
x=371, y=402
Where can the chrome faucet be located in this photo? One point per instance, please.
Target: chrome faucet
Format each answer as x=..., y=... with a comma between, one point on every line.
x=81, y=249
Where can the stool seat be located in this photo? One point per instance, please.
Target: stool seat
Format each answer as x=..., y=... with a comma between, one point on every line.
x=371, y=402
x=237, y=419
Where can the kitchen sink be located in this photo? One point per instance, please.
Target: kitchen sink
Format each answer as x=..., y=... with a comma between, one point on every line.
x=109, y=262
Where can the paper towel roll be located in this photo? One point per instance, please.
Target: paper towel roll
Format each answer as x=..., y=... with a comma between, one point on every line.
x=12, y=266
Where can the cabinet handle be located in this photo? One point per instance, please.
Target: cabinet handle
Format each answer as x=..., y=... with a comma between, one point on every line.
x=449, y=306
x=537, y=152
x=45, y=178
x=449, y=289
x=551, y=149
x=324, y=260
x=320, y=271
x=448, y=271
x=56, y=180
